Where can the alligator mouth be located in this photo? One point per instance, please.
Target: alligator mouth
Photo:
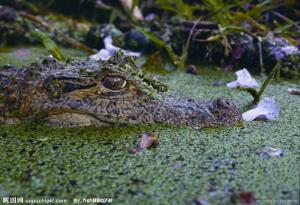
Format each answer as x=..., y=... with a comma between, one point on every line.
x=82, y=118
x=184, y=112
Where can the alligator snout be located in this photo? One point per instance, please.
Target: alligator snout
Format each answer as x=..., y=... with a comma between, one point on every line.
x=198, y=114
x=187, y=112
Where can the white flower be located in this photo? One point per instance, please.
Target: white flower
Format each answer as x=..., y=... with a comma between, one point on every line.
x=150, y=17
x=137, y=13
x=110, y=50
x=244, y=80
x=108, y=45
x=113, y=49
x=289, y=49
x=127, y=3
x=294, y=91
x=271, y=152
x=266, y=109
x=101, y=55
x=283, y=52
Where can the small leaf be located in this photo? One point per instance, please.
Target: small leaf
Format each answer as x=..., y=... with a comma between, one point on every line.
x=146, y=141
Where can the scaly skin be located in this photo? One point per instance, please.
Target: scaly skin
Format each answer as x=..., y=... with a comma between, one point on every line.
x=86, y=92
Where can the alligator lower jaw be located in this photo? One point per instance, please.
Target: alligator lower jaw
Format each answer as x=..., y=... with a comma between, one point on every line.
x=82, y=118
x=71, y=119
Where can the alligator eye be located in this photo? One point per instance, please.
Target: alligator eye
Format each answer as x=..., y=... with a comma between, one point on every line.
x=114, y=83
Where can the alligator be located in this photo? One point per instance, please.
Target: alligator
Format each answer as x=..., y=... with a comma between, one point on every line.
x=82, y=92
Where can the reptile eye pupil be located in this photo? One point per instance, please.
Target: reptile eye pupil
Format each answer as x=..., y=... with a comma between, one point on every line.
x=114, y=82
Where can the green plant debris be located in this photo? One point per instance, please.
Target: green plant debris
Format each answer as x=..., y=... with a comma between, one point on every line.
x=49, y=44
x=211, y=164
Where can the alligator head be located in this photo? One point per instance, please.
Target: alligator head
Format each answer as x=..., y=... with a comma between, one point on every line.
x=84, y=92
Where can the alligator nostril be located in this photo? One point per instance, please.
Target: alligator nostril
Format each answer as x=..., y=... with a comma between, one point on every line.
x=224, y=102
x=227, y=102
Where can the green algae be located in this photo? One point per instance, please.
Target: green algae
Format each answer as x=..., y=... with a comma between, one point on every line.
x=212, y=164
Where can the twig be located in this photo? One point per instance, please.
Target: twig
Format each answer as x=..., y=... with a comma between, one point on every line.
x=261, y=61
x=71, y=41
x=286, y=19
x=185, y=48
